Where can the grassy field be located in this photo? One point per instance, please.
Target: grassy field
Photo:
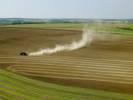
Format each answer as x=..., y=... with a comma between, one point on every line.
x=69, y=26
x=16, y=87
x=100, y=71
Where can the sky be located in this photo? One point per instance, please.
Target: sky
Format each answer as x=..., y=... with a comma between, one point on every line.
x=108, y=9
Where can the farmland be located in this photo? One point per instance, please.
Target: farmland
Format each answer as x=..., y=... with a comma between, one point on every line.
x=100, y=71
x=124, y=29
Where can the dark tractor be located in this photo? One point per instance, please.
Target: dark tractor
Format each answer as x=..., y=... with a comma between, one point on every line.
x=23, y=54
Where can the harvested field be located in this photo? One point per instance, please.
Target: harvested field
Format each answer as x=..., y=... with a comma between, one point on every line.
x=104, y=65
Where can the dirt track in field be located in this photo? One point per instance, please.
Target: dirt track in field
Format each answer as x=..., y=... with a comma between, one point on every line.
x=106, y=65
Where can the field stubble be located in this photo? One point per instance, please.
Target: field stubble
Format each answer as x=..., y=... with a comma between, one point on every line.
x=105, y=65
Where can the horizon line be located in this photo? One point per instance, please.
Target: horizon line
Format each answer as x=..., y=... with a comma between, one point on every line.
x=57, y=18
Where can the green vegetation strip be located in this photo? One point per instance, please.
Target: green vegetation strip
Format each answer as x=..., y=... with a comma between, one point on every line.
x=16, y=87
x=125, y=30
x=69, y=26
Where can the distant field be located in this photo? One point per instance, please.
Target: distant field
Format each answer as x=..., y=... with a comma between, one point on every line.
x=100, y=71
x=124, y=29
x=69, y=26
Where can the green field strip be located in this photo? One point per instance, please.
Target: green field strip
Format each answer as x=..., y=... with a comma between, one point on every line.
x=24, y=89
x=5, y=95
x=20, y=91
x=14, y=92
x=76, y=26
x=43, y=86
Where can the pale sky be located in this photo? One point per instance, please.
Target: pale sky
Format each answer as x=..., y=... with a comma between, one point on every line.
x=66, y=9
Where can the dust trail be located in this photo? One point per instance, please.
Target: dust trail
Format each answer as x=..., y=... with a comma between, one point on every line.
x=86, y=38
